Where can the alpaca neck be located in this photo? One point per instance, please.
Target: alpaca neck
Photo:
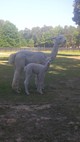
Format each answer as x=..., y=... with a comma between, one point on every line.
x=54, y=51
x=46, y=66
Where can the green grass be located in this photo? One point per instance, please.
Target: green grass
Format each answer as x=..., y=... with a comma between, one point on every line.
x=69, y=52
x=63, y=70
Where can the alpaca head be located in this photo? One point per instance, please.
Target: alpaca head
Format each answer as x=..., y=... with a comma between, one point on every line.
x=48, y=59
x=60, y=40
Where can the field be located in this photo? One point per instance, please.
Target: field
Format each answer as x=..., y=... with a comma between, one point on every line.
x=51, y=117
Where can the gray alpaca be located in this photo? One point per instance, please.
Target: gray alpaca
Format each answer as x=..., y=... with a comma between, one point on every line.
x=39, y=70
x=22, y=58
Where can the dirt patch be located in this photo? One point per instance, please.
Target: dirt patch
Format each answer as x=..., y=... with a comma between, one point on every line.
x=39, y=123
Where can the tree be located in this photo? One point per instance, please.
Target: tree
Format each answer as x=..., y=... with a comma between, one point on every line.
x=27, y=33
x=23, y=42
x=9, y=36
x=30, y=43
x=76, y=12
x=36, y=35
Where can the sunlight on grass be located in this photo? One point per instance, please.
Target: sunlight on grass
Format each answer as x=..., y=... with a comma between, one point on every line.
x=65, y=52
x=53, y=72
x=69, y=52
x=56, y=69
x=5, y=54
x=60, y=68
x=60, y=52
x=4, y=63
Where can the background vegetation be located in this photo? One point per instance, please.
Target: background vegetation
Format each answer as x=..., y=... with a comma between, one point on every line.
x=11, y=37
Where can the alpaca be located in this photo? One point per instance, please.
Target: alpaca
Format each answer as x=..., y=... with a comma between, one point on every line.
x=22, y=58
x=39, y=70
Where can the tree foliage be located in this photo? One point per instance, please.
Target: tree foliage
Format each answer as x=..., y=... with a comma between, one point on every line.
x=76, y=12
x=11, y=37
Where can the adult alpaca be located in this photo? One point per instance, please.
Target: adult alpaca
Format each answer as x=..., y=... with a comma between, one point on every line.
x=22, y=58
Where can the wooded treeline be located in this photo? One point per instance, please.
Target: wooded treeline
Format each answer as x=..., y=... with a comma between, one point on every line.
x=11, y=37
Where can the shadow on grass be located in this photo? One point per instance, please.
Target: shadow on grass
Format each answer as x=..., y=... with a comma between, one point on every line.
x=65, y=67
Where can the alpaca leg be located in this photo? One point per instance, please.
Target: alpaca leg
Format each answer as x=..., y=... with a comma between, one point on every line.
x=36, y=81
x=43, y=86
x=39, y=88
x=19, y=65
x=15, y=82
x=26, y=82
x=40, y=83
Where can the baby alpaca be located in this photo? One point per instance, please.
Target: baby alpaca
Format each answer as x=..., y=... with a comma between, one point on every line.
x=39, y=70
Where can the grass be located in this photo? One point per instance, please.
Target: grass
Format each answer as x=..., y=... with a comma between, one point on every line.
x=53, y=116
x=63, y=69
x=69, y=52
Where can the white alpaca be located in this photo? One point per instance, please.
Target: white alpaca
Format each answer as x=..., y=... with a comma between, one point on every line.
x=22, y=58
x=39, y=70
